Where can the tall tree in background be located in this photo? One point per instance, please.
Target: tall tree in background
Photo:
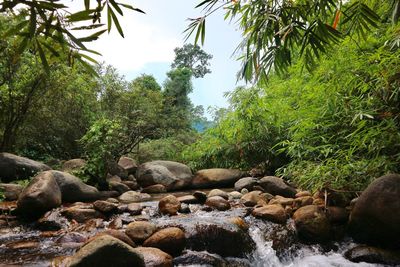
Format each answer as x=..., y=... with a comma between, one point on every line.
x=194, y=58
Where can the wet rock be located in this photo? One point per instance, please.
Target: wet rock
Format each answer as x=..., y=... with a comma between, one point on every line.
x=277, y=186
x=134, y=208
x=319, y=202
x=72, y=239
x=218, y=192
x=25, y=244
x=11, y=192
x=117, y=234
x=139, y=231
x=188, y=199
x=274, y=213
x=284, y=201
x=201, y=196
x=312, y=224
x=184, y=208
x=154, y=189
x=235, y=195
x=173, y=175
x=375, y=218
x=73, y=165
x=303, y=201
x=337, y=215
x=114, y=169
x=132, y=196
x=41, y=195
x=133, y=185
x=81, y=215
x=218, y=203
x=52, y=221
x=128, y=164
x=369, y=254
x=73, y=189
x=154, y=257
x=116, y=224
x=113, y=178
x=170, y=240
x=105, y=206
x=252, y=198
x=119, y=187
x=247, y=182
x=303, y=194
x=108, y=194
x=169, y=205
x=194, y=258
x=107, y=251
x=245, y=191
x=216, y=178
x=13, y=167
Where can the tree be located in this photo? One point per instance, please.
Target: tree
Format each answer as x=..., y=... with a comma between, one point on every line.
x=194, y=58
x=178, y=86
x=145, y=81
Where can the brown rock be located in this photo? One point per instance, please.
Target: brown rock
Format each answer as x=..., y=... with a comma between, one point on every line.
x=218, y=203
x=81, y=215
x=303, y=194
x=119, y=187
x=169, y=205
x=188, y=199
x=218, y=192
x=250, y=199
x=312, y=224
x=154, y=189
x=284, y=201
x=274, y=213
x=337, y=215
x=132, y=196
x=139, y=231
x=128, y=164
x=277, y=186
x=170, y=240
x=105, y=206
x=216, y=177
x=201, y=196
x=134, y=208
x=154, y=257
x=303, y=201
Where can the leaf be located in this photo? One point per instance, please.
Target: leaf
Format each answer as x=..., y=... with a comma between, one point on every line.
x=43, y=57
x=81, y=15
x=116, y=22
x=92, y=37
x=115, y=5
x=87, y=4
x=132, y=8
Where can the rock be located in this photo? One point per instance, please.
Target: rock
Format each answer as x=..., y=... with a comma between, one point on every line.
x=337, y=215
x=128, y=164
x=52, y=221
x=41, y=195
x=132, y=196
x=71, y=237
x=13, y=167
x=154, y=189
x=303, y=201
x=188, y=199
x=134, y=208
x=303, y=194
x=247, y=182
x=201, y=196
x=113, y=178
x=118, y=235
x=80, y=214
x=133, y=185
x=218, y=192
x=252, y=198
x=277, y=186
x=284, y=201
x=172, y=175
x=375, y=218
x=108, y=194
x=11, y=191
x=363, y=253
x=218, y=203
x=73, y=165
x=169, y=205
x=170, y=240
x=107, y=251
x=114, y=169
x=154, y=257
x=184, y=208
x=139, y=231
x=235, y=195
x=199, y=258
x=319, y=202
x=116, y=223
x=245, y=191
x=312, y=224
x=216, y=178
x=274, y=213
x=105, y=206
x=119, y=187
x=73, y=189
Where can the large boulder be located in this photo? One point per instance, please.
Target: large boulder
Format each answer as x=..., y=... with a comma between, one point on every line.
x=13, y=167
x=106, y=251
x=216, y=178
x=274, y=213
x=128, y=164
x=277, y=186
x=312, y=224
x=246, y=182
x=375, y=218
x=73, y=189
x=133, y=196
x=363, y=253
x=139, y=231
x=170, y=240
x=173, y=175
x=169, y=205
x=11, y=191
x=41, y=195
x=73, y=165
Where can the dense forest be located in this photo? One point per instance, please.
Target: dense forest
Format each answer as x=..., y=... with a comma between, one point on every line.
x=329, y=118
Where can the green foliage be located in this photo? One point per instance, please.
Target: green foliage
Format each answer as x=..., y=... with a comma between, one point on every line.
x=335, y=128
x=194, y=58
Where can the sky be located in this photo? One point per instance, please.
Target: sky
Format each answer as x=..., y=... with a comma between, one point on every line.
x=151, y=38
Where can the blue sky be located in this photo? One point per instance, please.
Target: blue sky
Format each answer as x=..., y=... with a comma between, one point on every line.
x=150, y=39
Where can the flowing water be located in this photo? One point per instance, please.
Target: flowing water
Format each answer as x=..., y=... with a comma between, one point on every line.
x=23, y=245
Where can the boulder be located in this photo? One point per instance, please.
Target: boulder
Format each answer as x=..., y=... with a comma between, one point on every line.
x=200, y=196
x=128, y=164
x=337, y=215
x=252, y=198
x=375, y=218
x=363, y=253
x=132, y=184
x=188, y=199
x=247, y=182
x=73, y=189
x=106, y=251
x=114, y=233
x=170, y=240
x=154, y=257
x=139, y=231
x=218, y=192
x=80, y=214
x=52, y=221
x=277, y=186
x=133, y=196
x=173, y=175
x=169, y=205
x=73, y=165
x=154, y=189
x=41, y=195
x=303, y=194
x=284, y=201
x=13, y=167
x=134, y=208
x=119, y=187
x=105, y=206
x=216, y=178
x=312, y=224
x=114, y=169
x=11, y=191
x=274, y=213
x=218, y=203
x=200, y=258
x=235, y=195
